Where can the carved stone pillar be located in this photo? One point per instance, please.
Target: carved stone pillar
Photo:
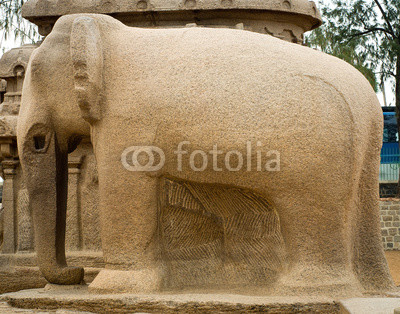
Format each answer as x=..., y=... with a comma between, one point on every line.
x=18, y=231
x=74, y=226
x=25, y=222
x=10, y=215
x=3, y=85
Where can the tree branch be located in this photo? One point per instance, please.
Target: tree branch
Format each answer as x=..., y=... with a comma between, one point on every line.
x=391, y=31
x=387, y=73
x=375, y=29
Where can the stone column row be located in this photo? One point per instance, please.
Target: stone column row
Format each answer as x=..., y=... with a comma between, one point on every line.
x=10, y=215
x=17, y=216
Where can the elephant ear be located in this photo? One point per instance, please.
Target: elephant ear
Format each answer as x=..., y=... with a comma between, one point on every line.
x=87, y=60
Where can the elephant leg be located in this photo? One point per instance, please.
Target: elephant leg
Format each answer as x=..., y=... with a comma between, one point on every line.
x=369, y=259
x=128, y=206
x=314, y=234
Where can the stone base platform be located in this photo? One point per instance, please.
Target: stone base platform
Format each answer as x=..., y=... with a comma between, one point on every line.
x=77, y=298
x=370, y=305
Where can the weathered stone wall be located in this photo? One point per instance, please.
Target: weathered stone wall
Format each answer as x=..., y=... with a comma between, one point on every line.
x=83, y=228
x=284, y=19
x=390, y=223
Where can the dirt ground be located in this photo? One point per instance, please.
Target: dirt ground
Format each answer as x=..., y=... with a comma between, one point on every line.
x=393, y=258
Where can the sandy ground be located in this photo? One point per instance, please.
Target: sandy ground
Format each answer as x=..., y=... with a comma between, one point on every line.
x=393, y=258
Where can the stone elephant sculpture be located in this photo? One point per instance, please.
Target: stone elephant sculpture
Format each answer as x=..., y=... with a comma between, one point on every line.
x=188, y=90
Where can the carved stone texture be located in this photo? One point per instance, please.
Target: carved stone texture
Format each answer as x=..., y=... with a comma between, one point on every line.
x=285, y=19
x=7, y=127
x=83, y=225
x=74, y=228
x=3, y=85
x=191, y=90
x=89, y=197
x=215, y=235
x=10, y=213
x=12, y=68
x=25, y=225
x=18, y=230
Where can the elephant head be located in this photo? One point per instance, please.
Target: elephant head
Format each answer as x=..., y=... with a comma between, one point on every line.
x=51, y=124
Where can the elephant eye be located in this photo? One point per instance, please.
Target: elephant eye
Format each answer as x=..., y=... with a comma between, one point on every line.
x=38, y=138
x=39, y=142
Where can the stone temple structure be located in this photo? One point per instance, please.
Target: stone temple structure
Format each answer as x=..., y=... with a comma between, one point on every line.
x=287, y=20
x=12, y=69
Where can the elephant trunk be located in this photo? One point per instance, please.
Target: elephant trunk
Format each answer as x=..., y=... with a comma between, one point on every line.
x=45, y=169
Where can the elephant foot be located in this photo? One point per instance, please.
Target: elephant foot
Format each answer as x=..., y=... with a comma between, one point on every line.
x=63, y=275
x=127, y=281
x=324, y=280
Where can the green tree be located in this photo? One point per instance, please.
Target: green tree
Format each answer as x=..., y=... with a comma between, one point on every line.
x=365, y=33
x=13, y=26
x=327, y=40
